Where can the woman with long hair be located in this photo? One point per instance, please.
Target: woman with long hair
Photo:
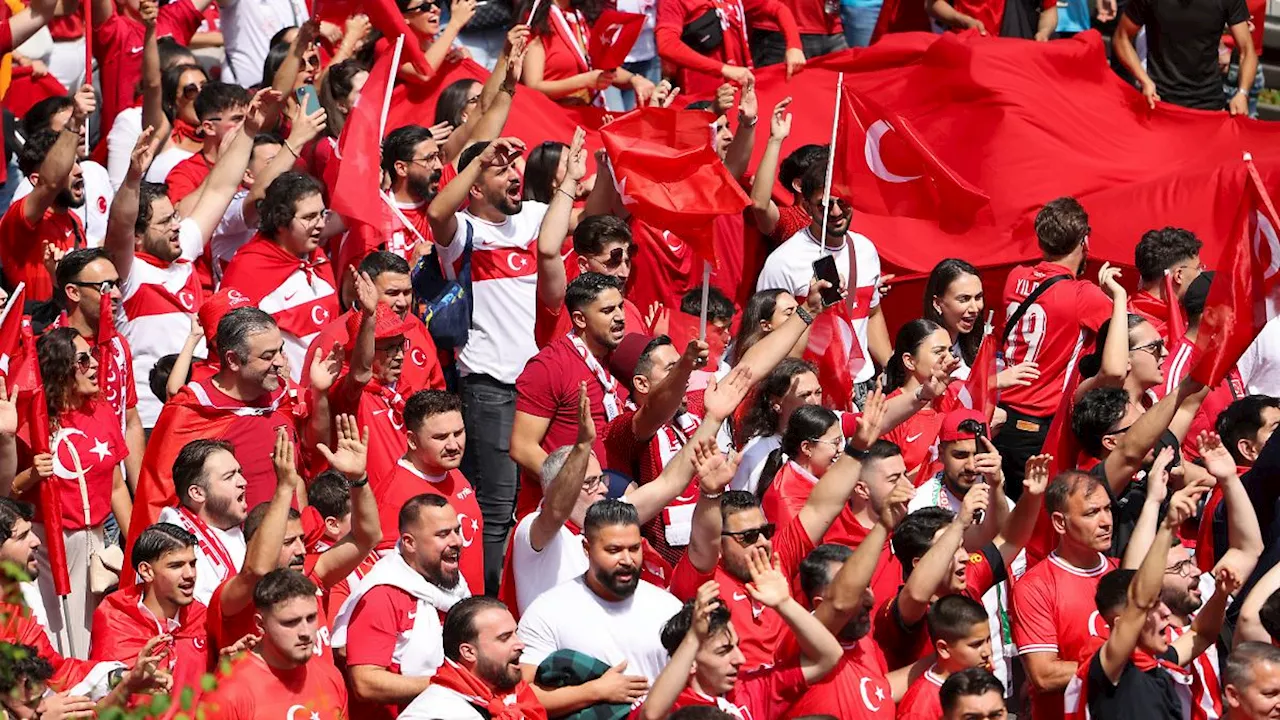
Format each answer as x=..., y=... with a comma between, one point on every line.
x=954, y=299
x=338, y=92
x=458, y=101
x=179, y=87
x=792, y=384
x=813, y=439
x=558, y=63
x=765, y=311
x=87, y=449
x=921, y=356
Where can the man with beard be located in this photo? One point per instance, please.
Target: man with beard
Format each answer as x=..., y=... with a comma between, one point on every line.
x=436, y=439
x=547, y=402
x=390, y=275
x=281, y=677
x=414, y=161
x=45, y=217
x=83, y=278
x=705, y=659
x=1251, y=682
x=275, y=539
x=244, y=404
x=211, y=506
x=607, y=613
x=499, y=230
x=390, y=626
x=154, y=246
x=480, y=678
x=163, y=603
x=283, y=270
x=1049, y=331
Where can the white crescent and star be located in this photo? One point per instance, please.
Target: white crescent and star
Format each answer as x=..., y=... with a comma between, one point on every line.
x=666, y=239
x=866, y=699
x=1266, y=232
x=187, y=299
x=468, y=529
x=62, y=436
x=610, y=34
x=418, y=357
x=319, y=315
x=295, y=708
x=872, y=151
x=511, y=262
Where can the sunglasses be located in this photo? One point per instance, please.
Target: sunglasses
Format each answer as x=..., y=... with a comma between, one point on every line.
x=749, y=537
x=190, y=91
x=618, y=255
x=102, y=286
x=312, y=62
x=84, y=361
x=1155, y=347
x=419, y=9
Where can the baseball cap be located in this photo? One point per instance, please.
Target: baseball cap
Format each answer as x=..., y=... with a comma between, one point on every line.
x=951, y=422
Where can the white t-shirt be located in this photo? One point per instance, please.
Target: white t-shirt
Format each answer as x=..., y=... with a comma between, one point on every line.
x=536, y=572
x=440, y=703
x=209, y=575
x=231, y=234
x=790, y=268
x=120, y=143
x=1259, y=366
x=164, y=162
x=247, y=28
x=572, y=617
x=750, y=465
x=646, y=47
x=98, y=194
x=504, y=280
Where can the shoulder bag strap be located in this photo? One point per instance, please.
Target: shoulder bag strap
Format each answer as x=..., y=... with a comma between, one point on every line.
x=1022, y=307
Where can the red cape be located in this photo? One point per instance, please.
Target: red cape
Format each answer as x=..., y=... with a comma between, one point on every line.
x=261, y=266
x=18, y=626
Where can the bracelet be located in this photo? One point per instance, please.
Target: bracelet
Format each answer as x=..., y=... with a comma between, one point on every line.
x=712, y=496
x=854, y=452
x=566, y=194
x=508, y=90
x=748, y=123
x=358, y=483
x=804, y=315
x=290, y=149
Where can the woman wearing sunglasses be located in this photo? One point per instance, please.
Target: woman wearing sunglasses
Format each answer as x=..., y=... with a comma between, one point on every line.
x=812, y=441
x=1128, y=353
x=179, y=86
x=87, y=449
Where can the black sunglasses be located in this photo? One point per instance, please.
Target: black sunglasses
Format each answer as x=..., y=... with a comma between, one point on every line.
x=102, y=286
x=749, y=537
x=618, y=255
x=84, y=360
x=190, y=91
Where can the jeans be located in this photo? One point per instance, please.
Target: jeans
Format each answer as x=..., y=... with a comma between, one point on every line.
x=769, y=47
x=488, y=411
x=1232, y=82
x=484, y=45
x=859, y=23
x=620, y=99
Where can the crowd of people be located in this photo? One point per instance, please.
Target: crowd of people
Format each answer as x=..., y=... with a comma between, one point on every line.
x=518, y=457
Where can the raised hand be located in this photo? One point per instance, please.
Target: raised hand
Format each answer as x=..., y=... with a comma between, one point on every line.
x=705, y=603
x=366, y=292
x=780, y=121
x=713, y=468
x=83, y=103
x=356, y=27
x=1227, y=580
x=352, y=454
x=696, y=353
x=1158, y=478
x=283, y=462
x=1182, y=506
x=895, y=506
x=586, y=422
x=501, y=152
x=1217, y=460
x=768, y=585
x=304, y=128
x=461, y=12
x=869, y=422
x=263, y=111
x=1036, y=479
x=723, y=101
x=722, y=397
x=244, y=644
x=148, y=11
x=441, y=131
x=1109, y=279
x=576, y=165
x=325, y=368
x=749, y=104
x=145, y=673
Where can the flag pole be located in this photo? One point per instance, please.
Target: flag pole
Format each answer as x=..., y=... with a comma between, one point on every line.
x=386, y=105
x=88, y=60
x=706, y=292
x=831, y=163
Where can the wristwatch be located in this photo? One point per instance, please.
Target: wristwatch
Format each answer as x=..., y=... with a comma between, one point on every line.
x=804, y=315
x=854, y=452
x=358, y=483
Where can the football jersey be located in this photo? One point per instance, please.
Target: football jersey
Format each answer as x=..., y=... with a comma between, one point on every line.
x=856, y=689
x=1053, y=612
x=1052, y=332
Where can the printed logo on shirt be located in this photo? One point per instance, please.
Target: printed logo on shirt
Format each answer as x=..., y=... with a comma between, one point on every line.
x=975, y=558
x=462, y=495
x=469, y=528
x=913, y=438
x=739, y=596
x=418, y=357
x=877, y=693
x=102, y=203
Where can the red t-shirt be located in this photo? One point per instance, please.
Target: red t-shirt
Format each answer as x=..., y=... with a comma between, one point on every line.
x=760, y=629
x=699, y=73
x=255, y=690
x=903, y=645
x=759, y=694
x=406, y=482
x=254, y=438
x=384, y=616
x=990, y=12
x=548, y=388
x=22, y=246
x=922, y=701
x=917, y=436
x=186, y=176
x=225, y=630
x=380, y=410
x=856, y=689
x=1052, y=611
x=1052, y=332
x=91, y=435
x=811, y=19
x=117, y=46
x=791, y=220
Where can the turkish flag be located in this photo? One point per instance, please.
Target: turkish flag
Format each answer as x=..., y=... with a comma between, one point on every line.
x=12, y=361
x=668, y=175
x=980, y=391
x=385, y=17
x=612, y=37
x=37, y=436
x=1176, y=326
x=1243, y=295
x=834, y=349
x=356, y=192
x=885, y=168
x=1061, y=443
x=106, y=334
x=682, y=328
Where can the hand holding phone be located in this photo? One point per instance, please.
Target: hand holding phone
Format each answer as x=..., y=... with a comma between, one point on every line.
x=308, y=99
x=824, y=268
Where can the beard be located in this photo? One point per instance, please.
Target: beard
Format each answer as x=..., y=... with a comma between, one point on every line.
x=445, y=580
x=500, y=675
x=621, y=588
x=66, y=199
x=1180, y=601
x=221, y=511
x=855, y=629
x=161, y=249
x=425, y=189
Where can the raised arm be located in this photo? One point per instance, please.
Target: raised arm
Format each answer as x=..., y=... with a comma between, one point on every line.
x=361, y=361
x=152, y=83
x=28, y=22
x=738, y=156
x=567, y=485
x=303, y=129
x=763, y=208
x=55, y=171
x=495, y=97
x=350, y=459
x=989, y=465
x=1115, y=346
x=287, y=73
x=1207, y=625
x=1249, y=627
x=1016, y=532
x=819, y=649
x=833, y=490
x=124, y=207
x=1131, y=451
x=1144, y=531
x=773, y=348
x=555, y=225
x=665, y=399
x=442, y=212
x=714, y=472
x=1243, y=533
x=914, y=597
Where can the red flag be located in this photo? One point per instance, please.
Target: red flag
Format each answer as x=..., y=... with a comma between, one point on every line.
x=682, y=328
x=1061, y=443
x=979, y=392
x=884, y=167
x=12, y=360
x=50, y=493
x=106, y=336
x=385, y=17
x=1176, y=326
x=356, y=194
x=612, y=37
x=833, y=348
x=1243, y=295
x=668, y=175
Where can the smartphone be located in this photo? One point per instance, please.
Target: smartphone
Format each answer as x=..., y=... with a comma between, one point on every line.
x=308, y=99
x=824, y=268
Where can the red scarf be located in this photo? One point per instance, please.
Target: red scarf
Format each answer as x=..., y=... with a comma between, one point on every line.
x=183, y=130
x=519, y=704
x=208, y=542
x=261, y=266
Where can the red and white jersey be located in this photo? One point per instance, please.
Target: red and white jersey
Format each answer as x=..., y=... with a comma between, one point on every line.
x=1052, y=332
x=1053, y=612
x=157, y=298
x=504, y=280
x=414, y=226
x=219, y=553
x=790, y=267
x=406, y=482
x=119, y=388
x=301, y=305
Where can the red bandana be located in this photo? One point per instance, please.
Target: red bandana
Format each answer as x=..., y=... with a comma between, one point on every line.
x=519, y=704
